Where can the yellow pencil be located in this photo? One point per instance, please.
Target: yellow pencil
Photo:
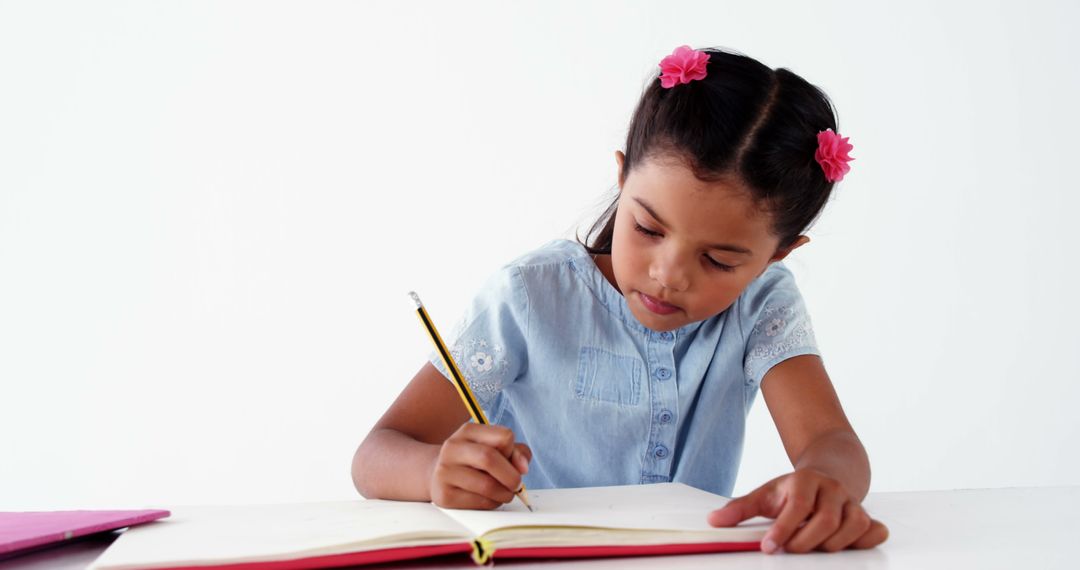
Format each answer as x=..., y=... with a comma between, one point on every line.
x=466, y=394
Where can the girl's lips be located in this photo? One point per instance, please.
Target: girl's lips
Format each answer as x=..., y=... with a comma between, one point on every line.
x=656, y=305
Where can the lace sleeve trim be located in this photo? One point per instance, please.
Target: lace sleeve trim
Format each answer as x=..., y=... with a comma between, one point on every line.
x=775, y=319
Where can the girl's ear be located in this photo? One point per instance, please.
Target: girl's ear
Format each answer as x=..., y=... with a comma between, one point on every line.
x=620, y=158
x=782, y=253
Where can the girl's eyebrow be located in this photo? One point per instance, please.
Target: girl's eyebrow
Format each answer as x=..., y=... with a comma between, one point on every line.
x=723, y=246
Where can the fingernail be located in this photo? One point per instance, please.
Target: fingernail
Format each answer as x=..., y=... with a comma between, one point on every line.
x=768, y=546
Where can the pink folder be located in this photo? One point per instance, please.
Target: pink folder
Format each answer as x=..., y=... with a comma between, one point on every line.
x=21, y=531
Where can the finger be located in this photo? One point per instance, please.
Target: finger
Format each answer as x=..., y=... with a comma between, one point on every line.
x=736, y=511
x=856, y=523
x=456, y=498
x=825, y=520
x=498, y=437
x=478, y=483
x=519, y=459
x=486, y=459
x=877, y=534
x=525, y=450
x=798, y=503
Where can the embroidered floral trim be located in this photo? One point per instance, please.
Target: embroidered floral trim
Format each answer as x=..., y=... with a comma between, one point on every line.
x=773, y=322
x=484, y=365
x=774, y=327
x=481, y=361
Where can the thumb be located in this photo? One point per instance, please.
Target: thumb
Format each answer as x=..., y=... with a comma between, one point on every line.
x=738, y=510
x=520, y=457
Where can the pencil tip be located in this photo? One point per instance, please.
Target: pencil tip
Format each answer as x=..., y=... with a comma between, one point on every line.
x=416, y=299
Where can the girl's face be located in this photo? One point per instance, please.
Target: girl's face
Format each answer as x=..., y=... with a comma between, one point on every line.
x=683, y=250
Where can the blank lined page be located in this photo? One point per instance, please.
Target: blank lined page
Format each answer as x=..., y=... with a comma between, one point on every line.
x=660, y=506
x=267, y=532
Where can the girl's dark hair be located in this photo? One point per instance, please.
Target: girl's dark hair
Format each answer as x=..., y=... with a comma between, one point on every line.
x=743, y=122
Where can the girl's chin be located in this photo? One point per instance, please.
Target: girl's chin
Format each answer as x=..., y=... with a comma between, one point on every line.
x=658, y=323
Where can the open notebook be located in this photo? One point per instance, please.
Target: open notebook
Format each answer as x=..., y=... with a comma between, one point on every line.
x=664, y=518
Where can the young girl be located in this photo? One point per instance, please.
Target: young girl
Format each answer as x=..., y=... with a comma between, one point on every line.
x=635, y=358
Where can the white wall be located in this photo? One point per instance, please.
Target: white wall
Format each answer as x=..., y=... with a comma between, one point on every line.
x=211, y=212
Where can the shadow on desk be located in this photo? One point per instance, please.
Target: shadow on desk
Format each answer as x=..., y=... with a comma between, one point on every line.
x=77, y=553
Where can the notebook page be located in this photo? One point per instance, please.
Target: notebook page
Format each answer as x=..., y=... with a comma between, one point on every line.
x=660, y=506
x=269, y=532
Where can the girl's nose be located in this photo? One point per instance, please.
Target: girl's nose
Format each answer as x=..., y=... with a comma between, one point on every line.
x=670, y=273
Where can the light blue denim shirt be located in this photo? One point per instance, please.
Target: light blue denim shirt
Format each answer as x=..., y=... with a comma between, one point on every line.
x=552, y=351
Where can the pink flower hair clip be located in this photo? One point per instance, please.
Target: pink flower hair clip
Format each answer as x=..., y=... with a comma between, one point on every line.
x=682, y=66
x=832, y=155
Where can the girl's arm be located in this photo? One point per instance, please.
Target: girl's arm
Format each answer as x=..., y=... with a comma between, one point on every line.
x=818, y=505
x=422, y=449
x=812, y=425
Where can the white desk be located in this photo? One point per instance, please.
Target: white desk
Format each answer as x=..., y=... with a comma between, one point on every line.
x=980, y=528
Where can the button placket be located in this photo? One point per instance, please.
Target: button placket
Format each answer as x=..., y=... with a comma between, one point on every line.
x=660, y=352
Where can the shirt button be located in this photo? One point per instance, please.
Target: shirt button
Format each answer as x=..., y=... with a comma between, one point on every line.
x=663, y=373
x=660, y=451
x=667, y=336
x=665, y=416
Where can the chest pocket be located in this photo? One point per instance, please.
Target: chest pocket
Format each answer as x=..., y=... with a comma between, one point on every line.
x=606, y=377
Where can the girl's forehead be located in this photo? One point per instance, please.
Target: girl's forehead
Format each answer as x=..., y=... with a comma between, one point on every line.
x=670, y=185
x=672, y=171
x=706, y=211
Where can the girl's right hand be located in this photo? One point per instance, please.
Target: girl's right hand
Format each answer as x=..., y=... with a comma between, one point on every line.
x=479, y=467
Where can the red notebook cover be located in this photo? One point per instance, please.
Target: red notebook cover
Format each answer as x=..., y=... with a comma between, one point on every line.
x=419, y=552
x=23, y=531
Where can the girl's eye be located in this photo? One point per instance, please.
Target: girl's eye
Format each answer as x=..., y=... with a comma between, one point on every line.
x=645, y=230
x=719, y=265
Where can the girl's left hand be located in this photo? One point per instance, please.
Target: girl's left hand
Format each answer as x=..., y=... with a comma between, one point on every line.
x=812, y=510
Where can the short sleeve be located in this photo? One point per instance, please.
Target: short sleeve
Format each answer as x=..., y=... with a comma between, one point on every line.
x=775, y=323
x=488, y=342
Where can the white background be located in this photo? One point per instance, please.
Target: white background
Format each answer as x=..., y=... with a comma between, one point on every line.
x=211, y=213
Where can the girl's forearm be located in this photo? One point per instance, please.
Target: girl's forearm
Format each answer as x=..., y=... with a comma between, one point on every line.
x=840, y=455
x=392, y=465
